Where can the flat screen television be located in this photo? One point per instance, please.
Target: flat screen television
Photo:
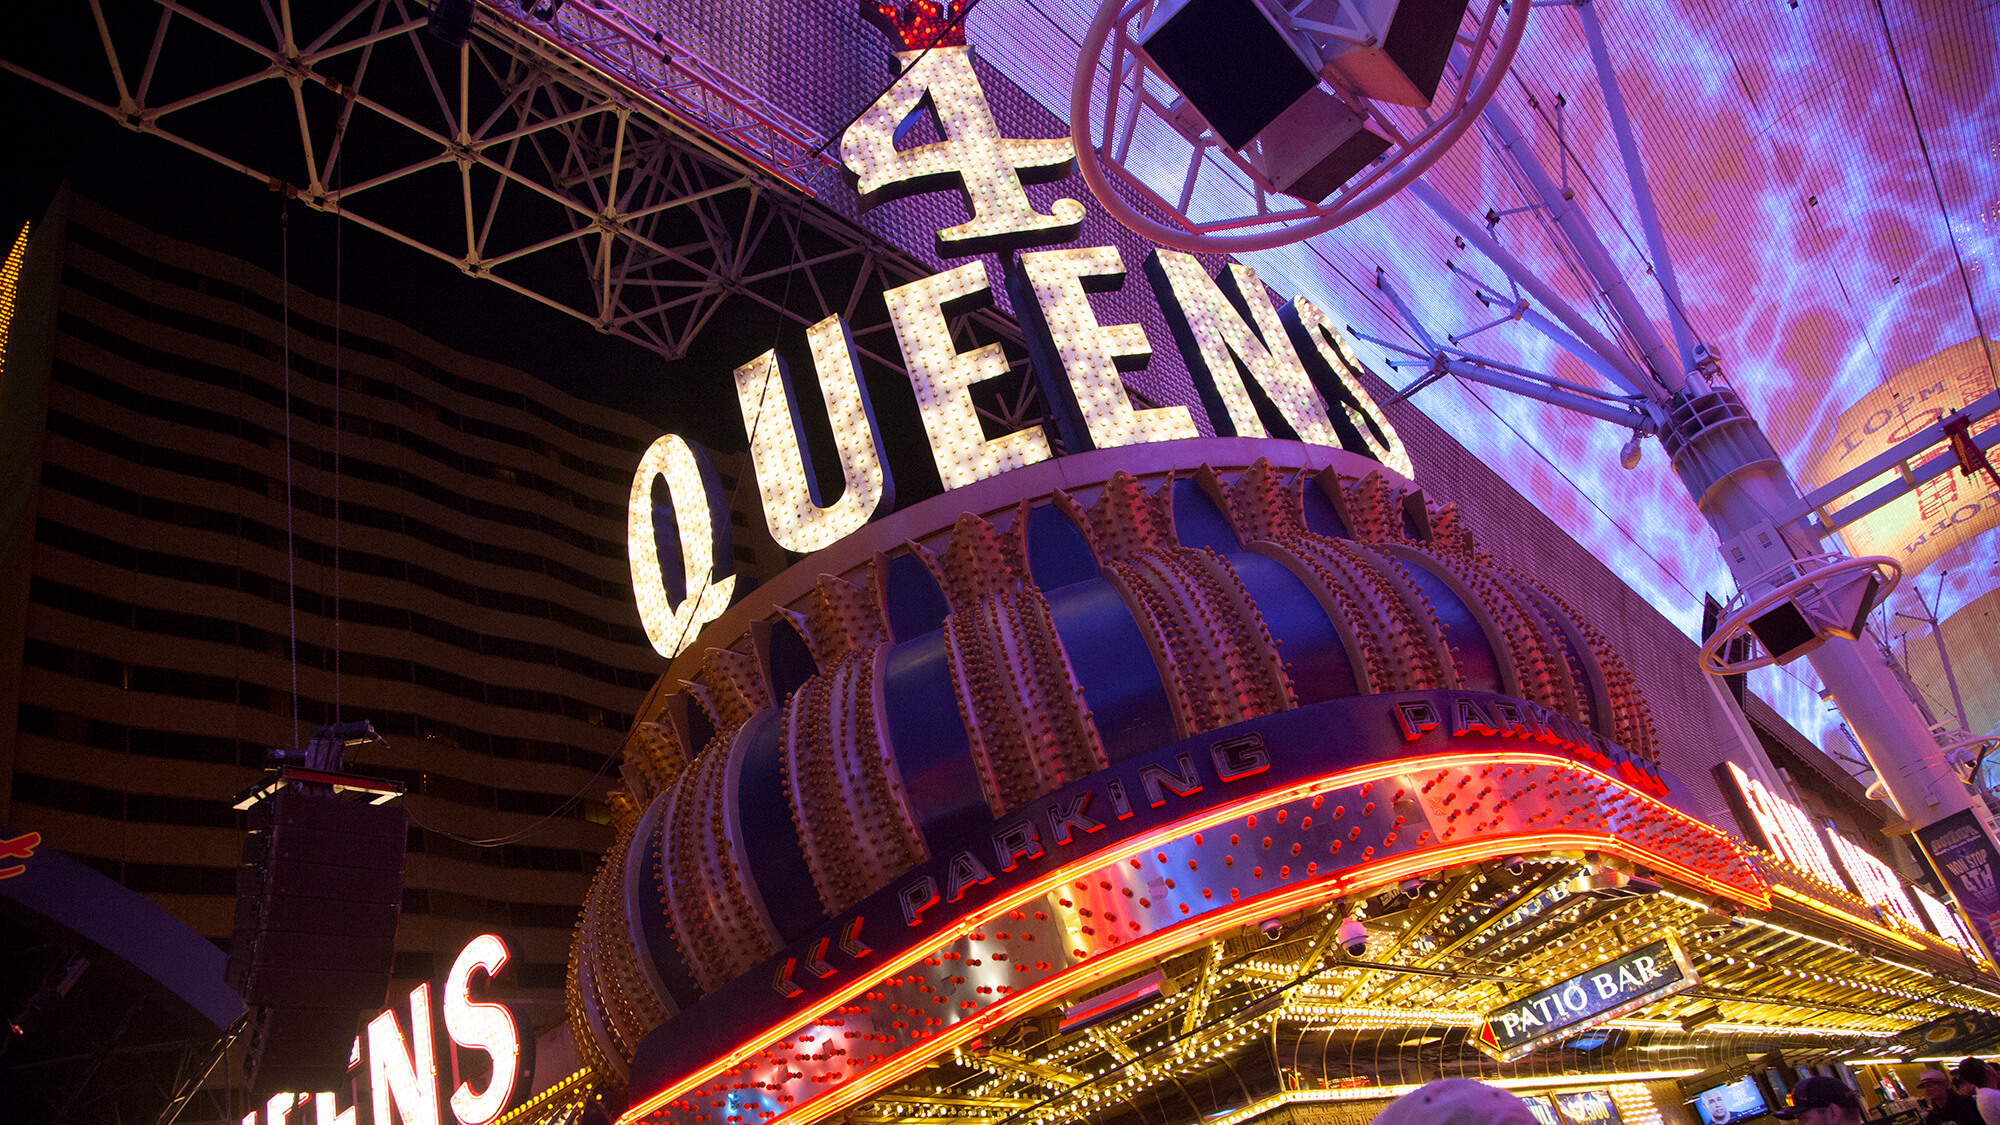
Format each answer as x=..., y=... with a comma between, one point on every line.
x=1740, y=1100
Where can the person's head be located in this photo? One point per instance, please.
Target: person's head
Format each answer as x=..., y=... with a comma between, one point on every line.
x=1975, y=1073
x=1820, y=1100
x=1456, y=1101
x=1936, y=1085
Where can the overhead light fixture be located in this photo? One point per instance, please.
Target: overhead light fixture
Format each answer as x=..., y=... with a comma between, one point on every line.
x=1628, y=456
x=1695, y=1021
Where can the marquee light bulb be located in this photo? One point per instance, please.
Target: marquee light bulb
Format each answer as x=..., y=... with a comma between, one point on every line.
x=1222, y=337
x=943, y=378
x=786, y=482
x=987, y=164
x=698, y=507
x=1090, y=351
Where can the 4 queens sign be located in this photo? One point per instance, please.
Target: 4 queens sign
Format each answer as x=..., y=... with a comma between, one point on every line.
x=1262, y=370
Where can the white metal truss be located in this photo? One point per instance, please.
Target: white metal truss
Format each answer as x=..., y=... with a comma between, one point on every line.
x=638, y=196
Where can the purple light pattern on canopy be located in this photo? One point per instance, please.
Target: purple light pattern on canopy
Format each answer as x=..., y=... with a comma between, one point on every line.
x=1796, y=203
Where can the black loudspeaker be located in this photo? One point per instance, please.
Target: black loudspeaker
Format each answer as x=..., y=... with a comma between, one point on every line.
x=317, y=901
x=1785, y=632
x=1403, y=48
x=451, y=22
x=1230, y=61
x=1314, y=147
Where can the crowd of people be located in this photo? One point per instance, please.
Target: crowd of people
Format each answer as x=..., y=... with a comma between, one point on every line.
x=1969, y=1095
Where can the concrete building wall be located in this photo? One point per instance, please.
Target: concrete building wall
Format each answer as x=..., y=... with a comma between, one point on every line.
x=472, y=598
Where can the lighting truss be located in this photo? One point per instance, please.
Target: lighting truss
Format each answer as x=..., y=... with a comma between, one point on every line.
x=572, y=160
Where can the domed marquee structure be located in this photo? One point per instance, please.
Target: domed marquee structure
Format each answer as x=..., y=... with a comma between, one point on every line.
x=1078, y=635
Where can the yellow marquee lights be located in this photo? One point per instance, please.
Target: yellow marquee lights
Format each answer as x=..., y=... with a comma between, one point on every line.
x=1090, y=351
x=1333, y=346
x=696, y=501
x=784, y=471
x=943, y=378
x=1631, y=1079
x=10, y=279
x=1223, y=337
x=988, y=164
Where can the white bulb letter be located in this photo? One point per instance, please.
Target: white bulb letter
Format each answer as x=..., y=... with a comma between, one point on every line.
x=1331, y=342
x=1214, y=336
x=1089, y=351
x=699, y=513
x=480, y=1026
x=400, y=1076
x=943, y=378
x=785, y=480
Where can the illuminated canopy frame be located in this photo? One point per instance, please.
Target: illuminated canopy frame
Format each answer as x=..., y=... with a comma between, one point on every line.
x=1194, y=840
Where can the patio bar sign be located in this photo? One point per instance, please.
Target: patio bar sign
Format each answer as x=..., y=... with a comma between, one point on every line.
x=1594, y=996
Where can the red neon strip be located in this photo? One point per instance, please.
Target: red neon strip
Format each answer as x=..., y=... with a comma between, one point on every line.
x=1110, y=964
x=1116, y=998
x=1389, y=867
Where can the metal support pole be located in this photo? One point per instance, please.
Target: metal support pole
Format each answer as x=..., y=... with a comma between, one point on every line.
x=1526, y=388
x=1944, y=658
x=1642, y=190
x=1540, y=323
x=1629, y=375
x=1737, y=481
x=1561, y=208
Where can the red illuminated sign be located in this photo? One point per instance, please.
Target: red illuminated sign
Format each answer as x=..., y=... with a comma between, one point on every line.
x=1787, y=830
x=19, y=847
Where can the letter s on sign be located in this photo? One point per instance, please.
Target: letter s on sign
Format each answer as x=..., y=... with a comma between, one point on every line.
x=479, y=1026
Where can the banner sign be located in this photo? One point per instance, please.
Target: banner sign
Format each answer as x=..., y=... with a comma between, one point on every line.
x=1966, y=859
x=1591, y=997
x=1956, y=1033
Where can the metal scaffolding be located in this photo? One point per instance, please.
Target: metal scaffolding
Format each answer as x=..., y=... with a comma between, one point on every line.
x=567, y=157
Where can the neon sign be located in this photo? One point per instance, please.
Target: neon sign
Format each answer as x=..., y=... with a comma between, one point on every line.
x=18, y=847
x=413, y=1078
x=1295, y=359
x=1591, y=997
x=1786, y=829
x=1159, y=851
x=1875, y=881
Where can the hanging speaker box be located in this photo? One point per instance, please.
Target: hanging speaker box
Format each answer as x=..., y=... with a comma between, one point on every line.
x=1389, y=50
x=1313, y=147
x=1231, y=61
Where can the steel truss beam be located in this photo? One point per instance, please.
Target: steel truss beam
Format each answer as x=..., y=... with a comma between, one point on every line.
x=516, y=161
